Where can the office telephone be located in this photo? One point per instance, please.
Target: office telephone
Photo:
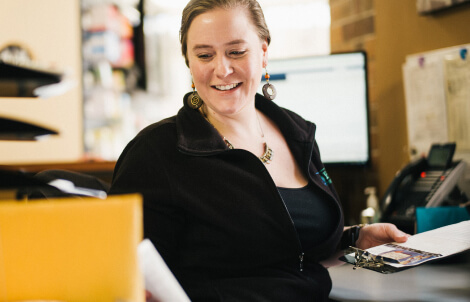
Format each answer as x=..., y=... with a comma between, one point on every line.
x=427, y=182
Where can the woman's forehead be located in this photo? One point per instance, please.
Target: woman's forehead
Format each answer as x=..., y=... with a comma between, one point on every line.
x=221, y=26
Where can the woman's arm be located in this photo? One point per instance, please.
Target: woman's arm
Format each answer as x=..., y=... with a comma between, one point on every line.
x=140, y=169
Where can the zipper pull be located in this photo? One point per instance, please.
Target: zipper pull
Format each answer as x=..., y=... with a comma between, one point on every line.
x=301, y=258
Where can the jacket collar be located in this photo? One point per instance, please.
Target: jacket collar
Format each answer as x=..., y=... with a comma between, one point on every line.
x=196, y=135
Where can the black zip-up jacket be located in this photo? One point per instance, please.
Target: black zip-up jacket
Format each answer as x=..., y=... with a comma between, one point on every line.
x=215, y=214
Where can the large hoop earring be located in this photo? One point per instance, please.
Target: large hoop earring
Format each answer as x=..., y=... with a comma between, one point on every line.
x=269, y=91
x=194, y=100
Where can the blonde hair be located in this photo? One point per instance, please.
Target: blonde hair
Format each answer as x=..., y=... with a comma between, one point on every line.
x=197, y=7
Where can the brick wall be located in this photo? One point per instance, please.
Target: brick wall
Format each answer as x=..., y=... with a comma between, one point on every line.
x=352, y=29
x=388, y=31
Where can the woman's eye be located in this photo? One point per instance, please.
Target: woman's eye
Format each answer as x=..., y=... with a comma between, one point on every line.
x=204, y=56
x=237, y=52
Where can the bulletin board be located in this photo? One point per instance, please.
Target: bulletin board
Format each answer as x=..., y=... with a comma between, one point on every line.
x=437, y=95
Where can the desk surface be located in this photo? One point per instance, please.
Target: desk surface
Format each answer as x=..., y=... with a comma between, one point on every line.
x=79, y=166
x=100, y=169
x=428, y=282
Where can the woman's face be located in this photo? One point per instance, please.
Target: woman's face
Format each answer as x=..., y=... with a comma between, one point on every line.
x=226, y=59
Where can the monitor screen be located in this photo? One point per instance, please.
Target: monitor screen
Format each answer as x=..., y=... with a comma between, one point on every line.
x=330, y=91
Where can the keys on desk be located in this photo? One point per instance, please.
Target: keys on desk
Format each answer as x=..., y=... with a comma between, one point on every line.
x=363, y=259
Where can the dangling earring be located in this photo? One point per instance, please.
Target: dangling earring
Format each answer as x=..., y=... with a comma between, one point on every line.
x=269, y=91
x=194, y=100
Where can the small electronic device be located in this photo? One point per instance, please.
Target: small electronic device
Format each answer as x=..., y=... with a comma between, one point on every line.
x=427, y=182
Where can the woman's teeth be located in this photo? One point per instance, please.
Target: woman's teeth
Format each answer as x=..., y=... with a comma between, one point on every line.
x=226, y=87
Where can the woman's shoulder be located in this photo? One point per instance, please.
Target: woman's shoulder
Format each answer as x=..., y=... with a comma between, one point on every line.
x=163, y=127
x=153, y=136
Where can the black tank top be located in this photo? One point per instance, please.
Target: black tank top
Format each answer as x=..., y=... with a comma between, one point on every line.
x=314, y=217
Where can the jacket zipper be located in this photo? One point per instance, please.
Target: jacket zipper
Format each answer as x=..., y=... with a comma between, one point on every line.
x=301, y=260
x=301, y=255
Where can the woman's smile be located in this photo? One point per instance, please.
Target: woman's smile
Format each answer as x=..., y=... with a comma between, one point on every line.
x=227, y=86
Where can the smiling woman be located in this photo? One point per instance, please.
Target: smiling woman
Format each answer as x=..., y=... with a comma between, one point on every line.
x=233, y=222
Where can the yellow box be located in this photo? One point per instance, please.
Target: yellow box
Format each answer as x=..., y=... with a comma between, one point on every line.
x=71, y=249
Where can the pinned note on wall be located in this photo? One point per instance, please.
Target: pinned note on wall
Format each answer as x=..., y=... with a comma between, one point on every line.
x=437, y=95
x=457, y=88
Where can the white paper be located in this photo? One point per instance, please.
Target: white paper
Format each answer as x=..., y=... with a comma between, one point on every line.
x=426, y=246
x=69, y=187
x=159, y=280
x=425, y=106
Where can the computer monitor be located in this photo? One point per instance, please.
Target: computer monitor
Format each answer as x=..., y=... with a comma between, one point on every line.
x=330, y=91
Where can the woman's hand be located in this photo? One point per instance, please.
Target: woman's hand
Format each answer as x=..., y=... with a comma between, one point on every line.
x=379, y=233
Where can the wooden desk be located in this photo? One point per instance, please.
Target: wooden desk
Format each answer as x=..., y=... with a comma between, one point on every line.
x=429, y=282
x=101, y=169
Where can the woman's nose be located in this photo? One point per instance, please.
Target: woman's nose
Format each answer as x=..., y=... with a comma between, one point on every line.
x=223, y=67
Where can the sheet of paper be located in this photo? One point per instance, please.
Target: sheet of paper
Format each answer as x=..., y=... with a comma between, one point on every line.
x=426, y=246
x=425, y=105
x=159, y=280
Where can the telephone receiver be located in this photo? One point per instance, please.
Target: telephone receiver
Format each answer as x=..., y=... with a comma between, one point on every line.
x=426, y=182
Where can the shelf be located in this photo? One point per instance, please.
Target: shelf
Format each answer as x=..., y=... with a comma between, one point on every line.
x=22, y=80
x=22, y=131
